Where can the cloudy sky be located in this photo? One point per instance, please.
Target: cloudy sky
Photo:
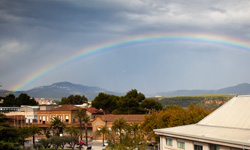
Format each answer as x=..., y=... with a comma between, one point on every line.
x=37, y=34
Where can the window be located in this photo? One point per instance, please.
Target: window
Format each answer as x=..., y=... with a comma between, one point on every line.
x=181, y=144
x=214, y=147
x=169, y=141
x=67, y=118
x=198, y=147
x=43, y=119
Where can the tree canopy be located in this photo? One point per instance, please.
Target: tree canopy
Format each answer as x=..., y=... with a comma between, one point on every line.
x=23, y=99
x=73, y=99
x=173, y=116
x=132, y=103
x=150, y=104
x=106, y=102
x=126, y=135
x=57, y=124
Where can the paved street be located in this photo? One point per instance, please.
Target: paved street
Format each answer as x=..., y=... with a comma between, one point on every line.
x=96, y=145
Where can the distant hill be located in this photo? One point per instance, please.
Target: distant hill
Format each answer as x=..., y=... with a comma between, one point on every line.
x=207, y=101
x=64, y=89
x=240, y=89
x=3, y=93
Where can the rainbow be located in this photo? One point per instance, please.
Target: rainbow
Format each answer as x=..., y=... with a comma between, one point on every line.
x=212, y=39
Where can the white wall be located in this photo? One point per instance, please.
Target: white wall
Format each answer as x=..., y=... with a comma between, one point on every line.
x=189, y=145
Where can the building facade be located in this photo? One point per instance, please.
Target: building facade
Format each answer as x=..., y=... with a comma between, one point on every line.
x=29, y=112
x=66, y=114
x=107, y=120
x=227, y=128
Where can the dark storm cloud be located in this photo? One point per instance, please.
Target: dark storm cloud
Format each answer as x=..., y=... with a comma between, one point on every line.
x=36, y=33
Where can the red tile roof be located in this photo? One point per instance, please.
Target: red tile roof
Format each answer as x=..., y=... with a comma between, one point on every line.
x=128, y=118
x=66, y=107
x=93, y=110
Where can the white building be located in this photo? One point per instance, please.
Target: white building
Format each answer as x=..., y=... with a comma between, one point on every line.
x=227, y=128
x=30, y=112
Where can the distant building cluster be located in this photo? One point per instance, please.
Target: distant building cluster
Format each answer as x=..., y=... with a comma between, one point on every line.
x=217, y=102
x=43, y=101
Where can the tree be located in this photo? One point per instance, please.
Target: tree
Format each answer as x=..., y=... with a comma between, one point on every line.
x=74, y=99
x=7, y=145
x=130, y=135
x=34, y=130
x=86, y=119
x=24, y=99
x=44, y=142
x=133, y=94
x=106, y=102
x=64, y=100
x=8, y=134
x=57, y=124
x=129, y=104
x=103, y=130
x=56, y=141
x=172, y=116
x=23, y=133
x=119, y=125
x=80, y=114
x=73, y=131
x=9, y=101
x=150, y=104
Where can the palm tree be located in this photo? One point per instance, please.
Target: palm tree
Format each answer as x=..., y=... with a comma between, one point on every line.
x=86, y=119
x=80, y=114
x=56, y=123
x=34, y=130
x=118, y=125
x=135, y=128
x=103, y=130
x=73, y=131
x=23, y=134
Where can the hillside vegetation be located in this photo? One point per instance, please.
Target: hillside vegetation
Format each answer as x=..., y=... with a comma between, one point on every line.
x=208, y=101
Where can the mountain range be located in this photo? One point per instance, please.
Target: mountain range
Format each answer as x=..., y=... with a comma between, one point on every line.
x=64, y=89
x=61, y=89
x=240, y=89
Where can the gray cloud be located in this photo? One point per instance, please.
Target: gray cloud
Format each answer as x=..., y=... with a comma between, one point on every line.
x=38, y=33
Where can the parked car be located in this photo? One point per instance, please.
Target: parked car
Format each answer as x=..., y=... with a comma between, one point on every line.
x=80, y=143
x=106, y=144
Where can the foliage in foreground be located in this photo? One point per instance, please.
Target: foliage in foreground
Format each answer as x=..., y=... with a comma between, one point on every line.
x=56, y=142
x=173, y=116
x=13, y=137
x=124, y=136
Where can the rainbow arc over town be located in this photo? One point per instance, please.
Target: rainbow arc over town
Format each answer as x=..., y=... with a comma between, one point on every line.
x=226, y=41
